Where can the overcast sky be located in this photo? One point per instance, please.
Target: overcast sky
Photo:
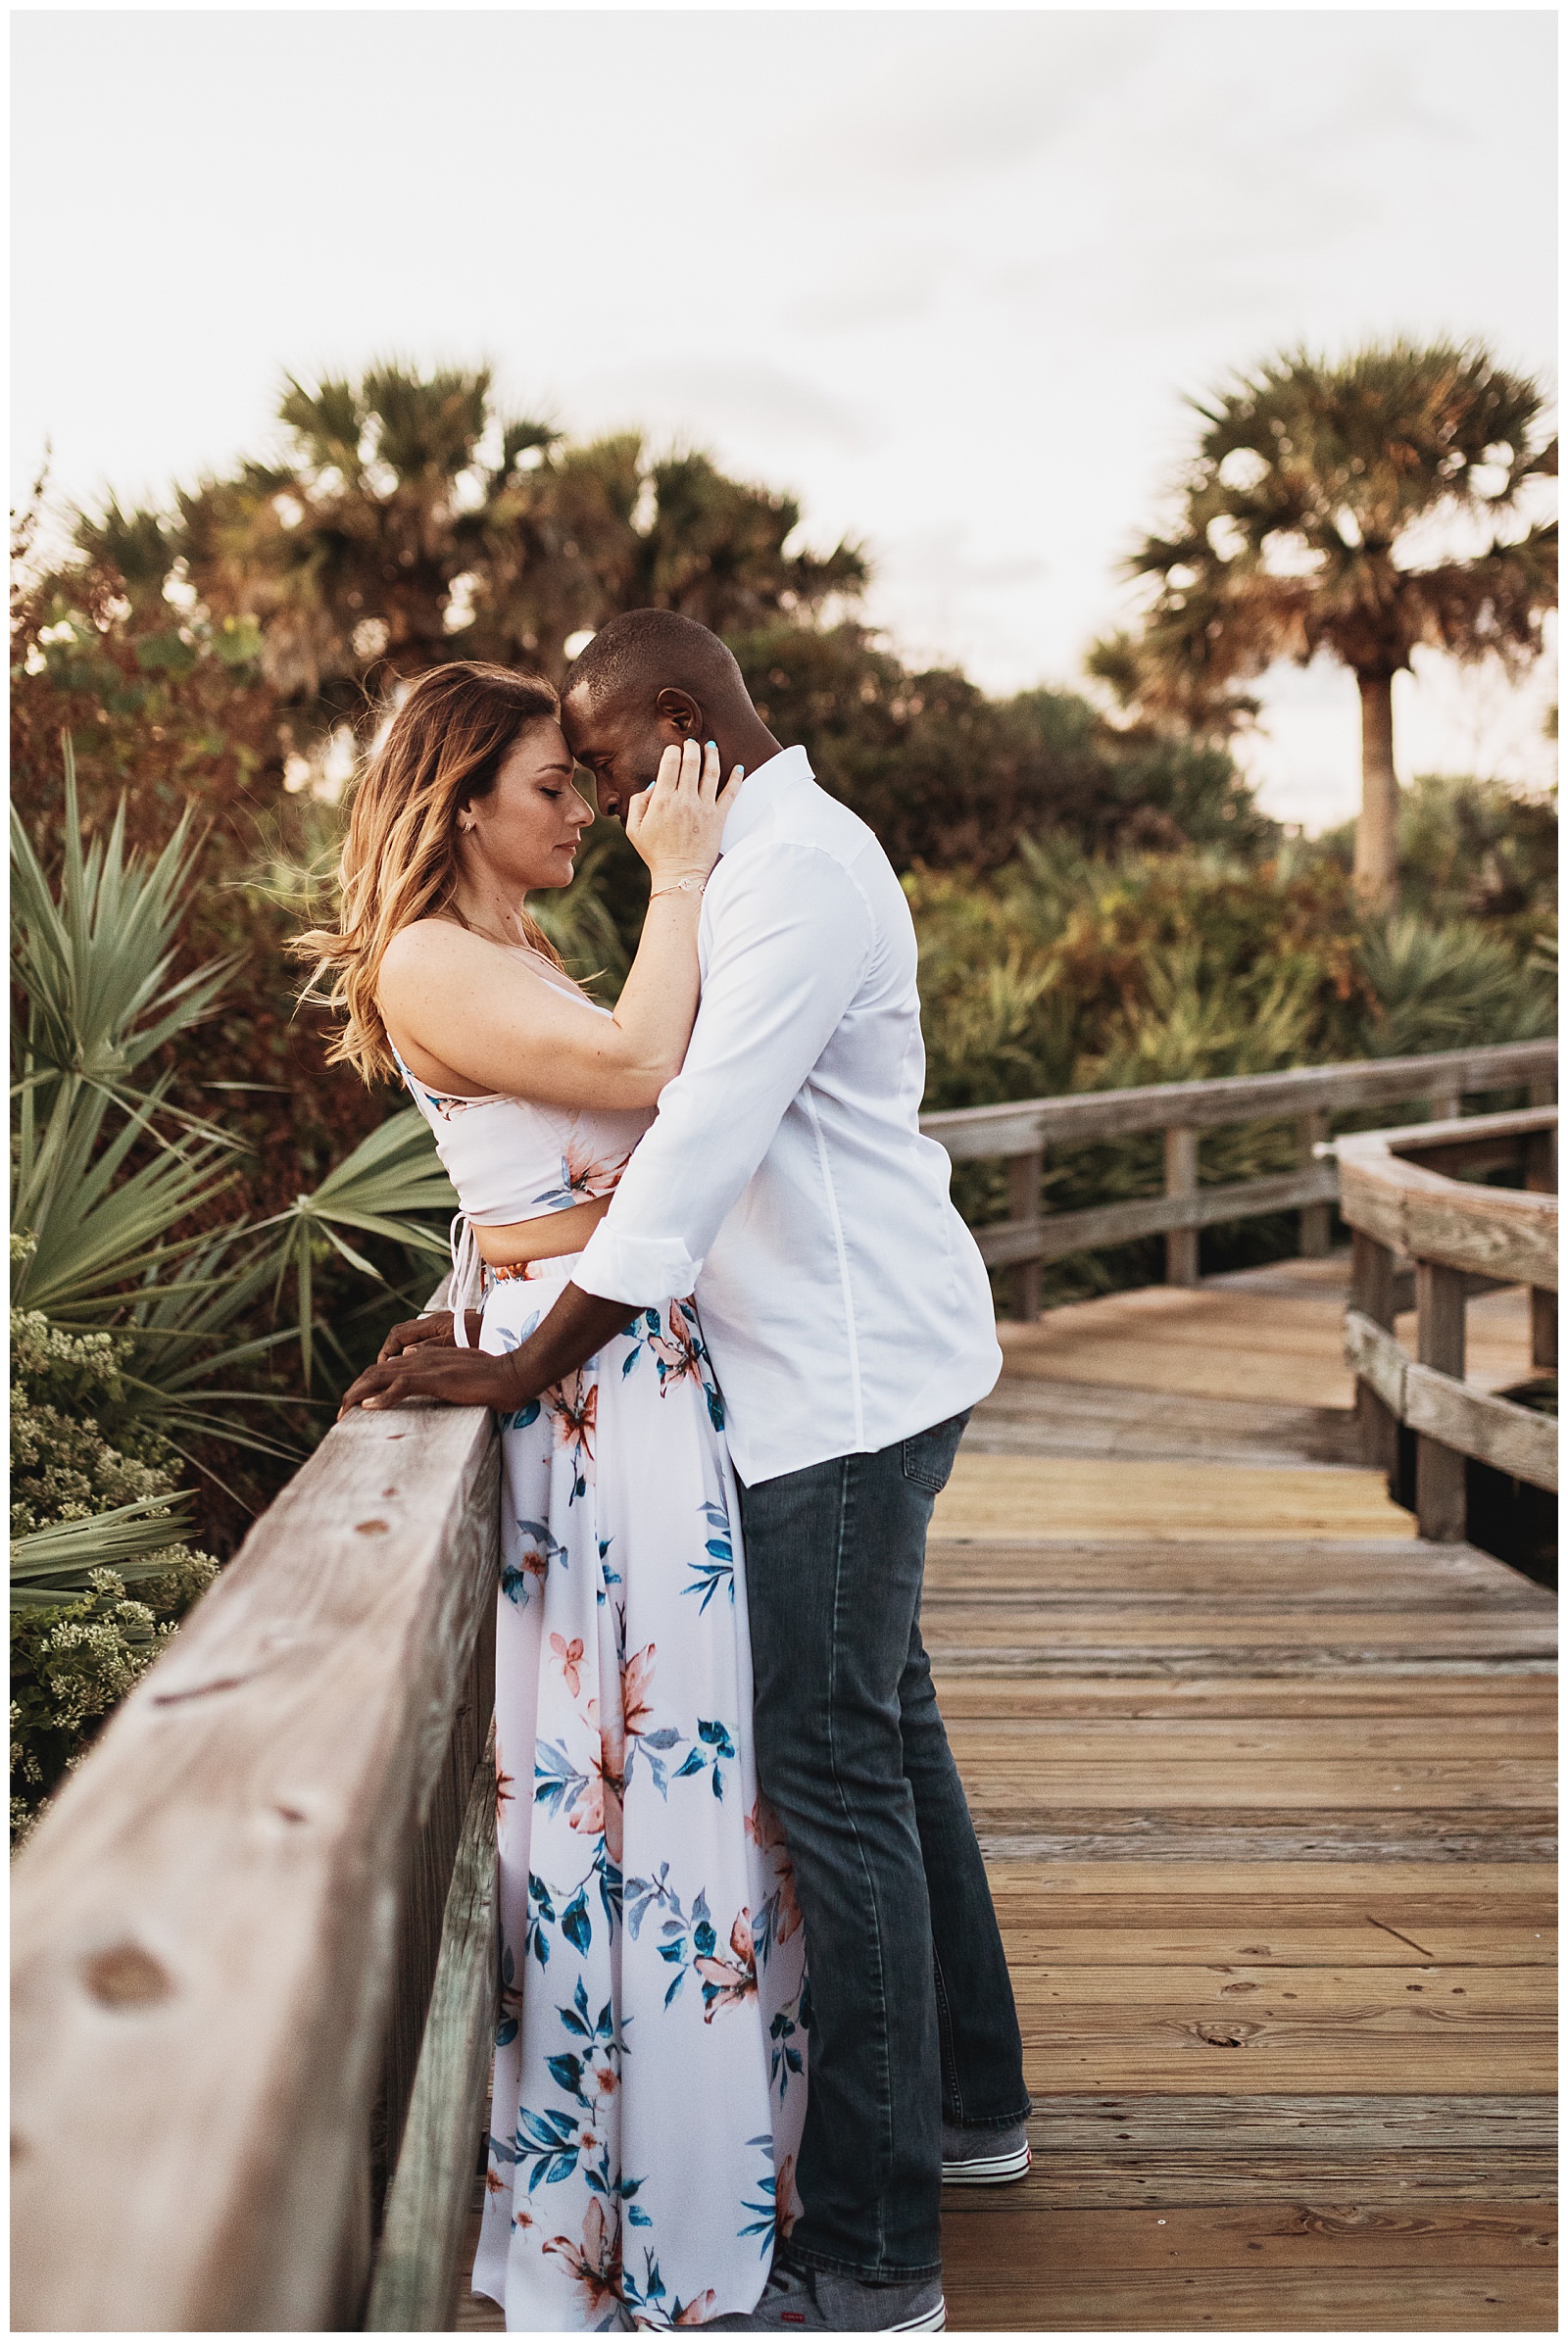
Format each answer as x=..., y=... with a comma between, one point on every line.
x=945, y=276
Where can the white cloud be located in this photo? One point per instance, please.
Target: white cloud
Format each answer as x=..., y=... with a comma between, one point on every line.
x=947, y=277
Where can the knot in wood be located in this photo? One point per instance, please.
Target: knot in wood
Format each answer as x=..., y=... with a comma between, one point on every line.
x=1230, y=2035
x=370, y=1528
x=124, y=1977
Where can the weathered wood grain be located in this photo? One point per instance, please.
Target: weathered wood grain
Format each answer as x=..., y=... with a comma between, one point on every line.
x=1281, y=2236
x=417, y=2270
x=1086, y=1419
x=1397, y=1998
x=1181, y=1191
x=1467, y=1692
x=1310, y=2123
x=1477, y=1424
x=1410, y=2177
x=1065, y=1496
x=1177, y=1214
x=1073, y=1628
x=1506, y=1233
x=1395, y=1786
x=979, y=1130
x=1073, y=2048
x=203, y=1925
x=1170, y=1835
x=1449, y=1412
x=1028, y=1741
x=1401, y=2298
x=1275, y=1943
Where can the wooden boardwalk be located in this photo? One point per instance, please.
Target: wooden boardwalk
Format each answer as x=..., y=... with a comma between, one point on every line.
x=1265, y=1791
x=1265, y=1788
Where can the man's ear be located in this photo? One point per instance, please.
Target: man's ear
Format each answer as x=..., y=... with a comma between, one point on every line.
x=680, y=711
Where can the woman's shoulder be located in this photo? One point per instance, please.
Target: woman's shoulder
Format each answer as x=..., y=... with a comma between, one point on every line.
x=444, y=947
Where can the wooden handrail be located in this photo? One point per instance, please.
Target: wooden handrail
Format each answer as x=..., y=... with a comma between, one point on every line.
x=1310, y=1095
x=228, y=1921
x=1400, y=1196
x=1415, y=1205
x=252, y=1936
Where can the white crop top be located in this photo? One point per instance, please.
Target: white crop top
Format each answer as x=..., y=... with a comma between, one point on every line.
x=512, y=1159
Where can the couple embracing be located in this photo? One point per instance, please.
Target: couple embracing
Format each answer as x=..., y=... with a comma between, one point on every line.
x=755, y=2007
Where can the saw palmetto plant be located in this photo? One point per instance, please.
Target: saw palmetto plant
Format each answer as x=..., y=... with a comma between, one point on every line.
x=120, y=1197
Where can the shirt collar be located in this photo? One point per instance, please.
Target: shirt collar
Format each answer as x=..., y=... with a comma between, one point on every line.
x=786, y=771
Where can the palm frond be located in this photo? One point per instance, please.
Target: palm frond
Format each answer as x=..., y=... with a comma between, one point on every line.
x=94, y=961
x=391, y=1185
x=54, y=1565
x=99, y=1227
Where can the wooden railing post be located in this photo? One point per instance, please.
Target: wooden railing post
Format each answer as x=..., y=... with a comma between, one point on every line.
x=1024, y=1173
x=1446, y=1106
x=1440, y=1471
x=1542, y=1327
x=1181, y=1179
x=1372, y=1293
x=1541, y=1178
x=1317, y=1219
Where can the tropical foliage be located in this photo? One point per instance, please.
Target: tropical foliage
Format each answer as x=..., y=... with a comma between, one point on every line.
x=212, y=1226
x=93, y=1518
x=147, y=1310
x=1066, y=971
x=1321, y=513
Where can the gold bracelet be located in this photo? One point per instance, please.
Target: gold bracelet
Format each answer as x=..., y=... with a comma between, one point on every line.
x=682, y=886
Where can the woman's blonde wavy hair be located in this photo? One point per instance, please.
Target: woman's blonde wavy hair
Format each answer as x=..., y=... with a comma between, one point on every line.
x=445, y=747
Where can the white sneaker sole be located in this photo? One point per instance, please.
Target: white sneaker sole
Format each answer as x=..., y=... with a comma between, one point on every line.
x=986, y=2171
x=929, y=2321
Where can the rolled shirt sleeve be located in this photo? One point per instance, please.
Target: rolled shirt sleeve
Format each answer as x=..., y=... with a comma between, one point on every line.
x=789, y=937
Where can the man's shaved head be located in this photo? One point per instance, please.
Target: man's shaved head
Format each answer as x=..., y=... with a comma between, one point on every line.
x=634, y=657
x=648, y=681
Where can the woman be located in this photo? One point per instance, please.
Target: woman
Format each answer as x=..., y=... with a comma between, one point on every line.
x=649, y=2078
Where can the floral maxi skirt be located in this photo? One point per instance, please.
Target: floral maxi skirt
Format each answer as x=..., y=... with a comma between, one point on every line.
x=650, y=2066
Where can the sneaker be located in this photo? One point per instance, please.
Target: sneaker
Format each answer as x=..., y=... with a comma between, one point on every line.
x=816, y=2301
x=973, y=2156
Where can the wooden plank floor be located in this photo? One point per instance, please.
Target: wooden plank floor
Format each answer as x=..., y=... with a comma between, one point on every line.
x=1265, y=1787
x=1265, y=1791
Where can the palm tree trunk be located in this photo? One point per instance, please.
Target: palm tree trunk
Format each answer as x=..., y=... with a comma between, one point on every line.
x=1377, y=852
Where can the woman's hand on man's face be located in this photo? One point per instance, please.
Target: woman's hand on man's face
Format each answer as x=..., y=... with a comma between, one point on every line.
x=678, y=824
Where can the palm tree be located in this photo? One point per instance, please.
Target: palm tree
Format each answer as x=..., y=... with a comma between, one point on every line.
x=406, y=520
x=349, y=548
x=1361, y=507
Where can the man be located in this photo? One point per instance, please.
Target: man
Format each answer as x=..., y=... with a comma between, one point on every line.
x=848, y=1315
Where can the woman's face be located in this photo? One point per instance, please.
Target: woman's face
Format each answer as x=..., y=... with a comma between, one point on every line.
x=525, y=833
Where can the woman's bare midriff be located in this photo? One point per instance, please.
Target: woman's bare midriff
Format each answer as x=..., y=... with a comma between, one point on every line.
x=558, y=1233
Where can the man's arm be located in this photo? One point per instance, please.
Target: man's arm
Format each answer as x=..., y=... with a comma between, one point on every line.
x=579, y=1324
x=791, y=939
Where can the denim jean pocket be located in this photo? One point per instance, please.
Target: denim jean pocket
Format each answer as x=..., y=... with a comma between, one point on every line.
x=928, y=1456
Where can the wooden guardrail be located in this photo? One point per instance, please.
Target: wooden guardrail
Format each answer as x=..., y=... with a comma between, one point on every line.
x=1310, y=1095
x=1412, y=1195
x=254, y=1935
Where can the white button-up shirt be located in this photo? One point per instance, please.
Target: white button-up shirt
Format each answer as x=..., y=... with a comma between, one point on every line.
x=785, y=1179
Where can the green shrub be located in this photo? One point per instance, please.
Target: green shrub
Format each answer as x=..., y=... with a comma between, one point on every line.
x=72, y=1660
x=1067, y=971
